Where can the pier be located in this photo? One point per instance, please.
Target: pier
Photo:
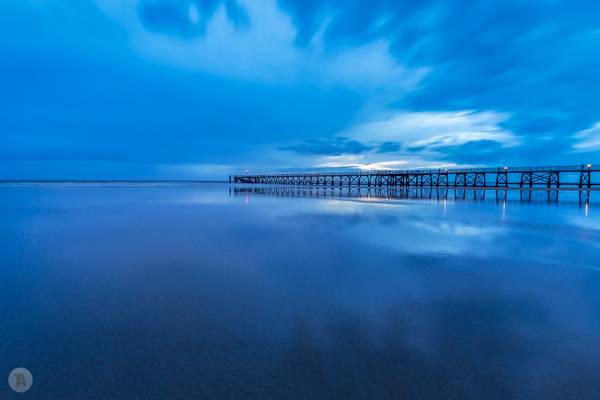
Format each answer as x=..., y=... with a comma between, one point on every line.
x=553, y=177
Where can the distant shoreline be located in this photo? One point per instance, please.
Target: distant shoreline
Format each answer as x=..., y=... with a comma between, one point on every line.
x=140, y=182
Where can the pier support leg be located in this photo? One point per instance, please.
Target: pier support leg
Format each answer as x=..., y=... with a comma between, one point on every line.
x=501, y=178
x=585, y=178
x=554, y=179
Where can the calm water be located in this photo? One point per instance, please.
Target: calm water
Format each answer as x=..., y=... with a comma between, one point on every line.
x=202, y=292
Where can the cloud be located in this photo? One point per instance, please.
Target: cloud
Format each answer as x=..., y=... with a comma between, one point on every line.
x=436, y=130
x=389, y=147
x=536, y=61
x=187, y=18
x=340, y=145
x=478, y=152
x=283, y=160
x=405, y=139
x=265, y=51
x=299, y=84
x=588, y=139
x=335, y=146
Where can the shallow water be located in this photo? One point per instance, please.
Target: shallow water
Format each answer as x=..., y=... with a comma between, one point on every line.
x=210, y=291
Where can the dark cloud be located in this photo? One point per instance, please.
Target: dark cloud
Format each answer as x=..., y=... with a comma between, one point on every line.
x=66, y=96
x=332, y=147
x=187, y=18
x=537, y=60
x=493, y=153
x=389, y=147
x=478, y=152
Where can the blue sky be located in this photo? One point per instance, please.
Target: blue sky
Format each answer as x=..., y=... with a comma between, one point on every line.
x=186, y=89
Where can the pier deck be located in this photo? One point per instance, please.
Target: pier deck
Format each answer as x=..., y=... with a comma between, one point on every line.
x=578, y=176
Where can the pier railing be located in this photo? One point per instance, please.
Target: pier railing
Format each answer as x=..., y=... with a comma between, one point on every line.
x=580, y=176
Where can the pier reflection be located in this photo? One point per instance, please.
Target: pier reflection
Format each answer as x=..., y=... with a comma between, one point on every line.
x=500, y=196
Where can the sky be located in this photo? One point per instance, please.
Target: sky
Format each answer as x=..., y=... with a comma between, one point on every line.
x=201, y=89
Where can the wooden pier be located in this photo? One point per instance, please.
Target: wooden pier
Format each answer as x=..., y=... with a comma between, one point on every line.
x=553, y=177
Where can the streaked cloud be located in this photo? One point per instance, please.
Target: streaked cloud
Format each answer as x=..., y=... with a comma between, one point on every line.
x=435, y=130
x=263, y=51
x=588, y=139
x=187, y=18
x=335, y=146
x=406, y=139
x=192, y=88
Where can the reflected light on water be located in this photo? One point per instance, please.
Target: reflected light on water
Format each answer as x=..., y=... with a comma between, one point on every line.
x=302, y=295
x=587, y=208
